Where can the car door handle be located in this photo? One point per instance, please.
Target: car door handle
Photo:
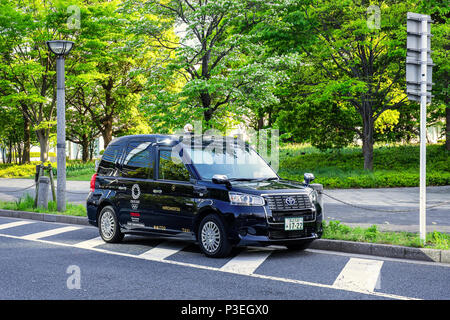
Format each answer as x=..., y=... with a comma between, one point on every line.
x=157, y=191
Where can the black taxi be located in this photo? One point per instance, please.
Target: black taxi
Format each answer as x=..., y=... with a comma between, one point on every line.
x=216, y=191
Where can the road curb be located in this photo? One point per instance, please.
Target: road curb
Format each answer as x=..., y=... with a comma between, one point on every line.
x=374, y=249
x=383, y=250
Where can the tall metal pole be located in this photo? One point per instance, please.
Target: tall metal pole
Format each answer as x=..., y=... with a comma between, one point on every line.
x=423, y=127
x=60, y=135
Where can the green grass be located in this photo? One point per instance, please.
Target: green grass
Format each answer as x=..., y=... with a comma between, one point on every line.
x=337, y=231
x=394, y=166
x=26, y=203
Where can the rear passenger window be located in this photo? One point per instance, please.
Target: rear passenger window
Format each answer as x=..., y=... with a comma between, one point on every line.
x=138, y=162
x=107, y=166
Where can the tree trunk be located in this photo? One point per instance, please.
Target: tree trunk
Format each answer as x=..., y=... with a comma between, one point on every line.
x=447, y=128
x=261, y=122
x=42, y=137
x=368, y=129
x=26, y=141
x=206, y=104
x=107, y=132
x=85, y=149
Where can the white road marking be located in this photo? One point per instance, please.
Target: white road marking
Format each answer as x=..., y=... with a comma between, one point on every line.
x=89, y=244
x=163, y=251
x=246, y=262
x=360, y=255
x=14, y=224
x=49, y=233
x=359, y=274
x=202, y=267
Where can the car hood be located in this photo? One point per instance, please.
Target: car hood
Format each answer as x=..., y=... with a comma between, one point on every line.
x=274, y=186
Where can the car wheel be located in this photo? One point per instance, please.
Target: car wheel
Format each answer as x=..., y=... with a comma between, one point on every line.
x=300, y=245
x=212, y=237
x=108, y=225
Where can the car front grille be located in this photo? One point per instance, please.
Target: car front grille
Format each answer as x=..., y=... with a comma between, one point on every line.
x=288, y=202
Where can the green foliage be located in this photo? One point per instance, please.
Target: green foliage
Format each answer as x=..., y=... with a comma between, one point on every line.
x=26, y=203
x=74, y=170
x=336, y=230
x=396, y=166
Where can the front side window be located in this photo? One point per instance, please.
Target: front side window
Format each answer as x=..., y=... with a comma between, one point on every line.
x=139, y=161
x=171, y=167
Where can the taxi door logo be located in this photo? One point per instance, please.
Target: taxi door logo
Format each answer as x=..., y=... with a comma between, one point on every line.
x=135, y=194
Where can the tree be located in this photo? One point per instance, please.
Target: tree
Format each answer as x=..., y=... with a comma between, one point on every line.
x=12, y=135
x=106, y=83
x=80, y=128
x=26, y=67
x=362, y=66
x=209, y=56
x=440, y=46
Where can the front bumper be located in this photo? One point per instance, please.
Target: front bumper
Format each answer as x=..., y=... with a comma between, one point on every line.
x=263, y=230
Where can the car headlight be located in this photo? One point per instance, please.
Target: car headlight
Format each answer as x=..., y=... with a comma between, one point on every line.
x=242, y=199
x=313, y=196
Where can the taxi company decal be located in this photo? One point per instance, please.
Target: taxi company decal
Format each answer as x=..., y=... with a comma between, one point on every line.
x=135, y=191
x=135, y=220
x=171, y=208
x=135, y=194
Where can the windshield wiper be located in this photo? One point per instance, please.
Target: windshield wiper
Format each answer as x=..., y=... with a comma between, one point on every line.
x=252, y=179
x=242, y=179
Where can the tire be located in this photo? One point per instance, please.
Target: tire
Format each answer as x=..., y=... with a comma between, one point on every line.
x=299, y=245
x=108, y=225
x=212, y=237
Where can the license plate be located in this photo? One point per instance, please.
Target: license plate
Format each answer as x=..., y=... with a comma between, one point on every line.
x=293, y=223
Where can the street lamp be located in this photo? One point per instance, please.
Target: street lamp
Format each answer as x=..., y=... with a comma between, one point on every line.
x=60, y=48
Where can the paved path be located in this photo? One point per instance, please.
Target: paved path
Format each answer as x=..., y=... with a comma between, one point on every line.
x=438, y=218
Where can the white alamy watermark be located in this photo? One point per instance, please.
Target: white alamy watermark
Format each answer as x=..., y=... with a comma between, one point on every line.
x=74, y=20
x=74, y=280
x=214, y=147
x=373, y=17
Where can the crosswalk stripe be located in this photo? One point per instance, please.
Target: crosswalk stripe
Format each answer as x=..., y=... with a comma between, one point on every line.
x=89, y=244
x=359, y=274
x=49, y=233
x=163, y=250
x=14, y=224
x=246, y=262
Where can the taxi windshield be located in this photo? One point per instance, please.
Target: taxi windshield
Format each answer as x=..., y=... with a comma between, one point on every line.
x=236, y=161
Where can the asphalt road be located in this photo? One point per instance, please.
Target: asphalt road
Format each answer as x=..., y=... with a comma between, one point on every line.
x=384, y=200
x=42, y=260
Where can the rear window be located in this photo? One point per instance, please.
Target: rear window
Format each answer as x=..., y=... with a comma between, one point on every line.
x=110, y=157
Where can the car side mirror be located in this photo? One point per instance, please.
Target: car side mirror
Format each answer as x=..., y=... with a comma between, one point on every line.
x=221, y=179
x=308, y=178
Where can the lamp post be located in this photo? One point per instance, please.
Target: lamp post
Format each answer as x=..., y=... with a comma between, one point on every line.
x=60, y=48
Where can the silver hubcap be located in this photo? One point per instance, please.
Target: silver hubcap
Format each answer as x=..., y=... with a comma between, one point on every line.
x=107, y=225
x=210, y=236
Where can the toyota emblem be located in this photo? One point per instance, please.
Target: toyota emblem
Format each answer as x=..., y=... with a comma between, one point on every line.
x=290, y=201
